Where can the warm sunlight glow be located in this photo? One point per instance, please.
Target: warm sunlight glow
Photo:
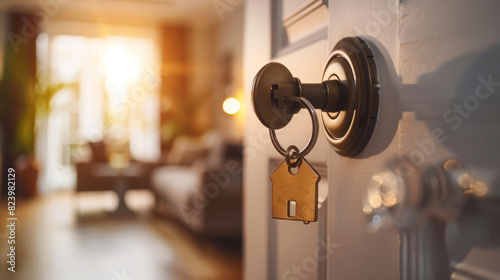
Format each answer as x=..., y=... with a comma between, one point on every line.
x=231, y=106
x=121, y=65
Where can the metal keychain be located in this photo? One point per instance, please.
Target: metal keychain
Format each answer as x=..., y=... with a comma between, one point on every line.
x=294, y=181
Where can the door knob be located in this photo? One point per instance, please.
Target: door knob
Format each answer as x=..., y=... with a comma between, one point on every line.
x=406, y=199
x=420, y=201
x=348, y=95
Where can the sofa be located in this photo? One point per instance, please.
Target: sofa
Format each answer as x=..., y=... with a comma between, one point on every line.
x=201, y=185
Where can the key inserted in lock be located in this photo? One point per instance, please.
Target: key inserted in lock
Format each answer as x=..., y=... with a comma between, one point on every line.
x=274, y=82
x=348, y=96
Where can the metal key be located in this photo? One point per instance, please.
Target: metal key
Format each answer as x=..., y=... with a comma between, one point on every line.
x=295, y=190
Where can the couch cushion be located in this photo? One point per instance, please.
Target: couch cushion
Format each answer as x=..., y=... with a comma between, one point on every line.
x=176, y=183
x=186, y=150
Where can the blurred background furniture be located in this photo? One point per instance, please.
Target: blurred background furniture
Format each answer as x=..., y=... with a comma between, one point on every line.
x=201, y=185
x=101, y=174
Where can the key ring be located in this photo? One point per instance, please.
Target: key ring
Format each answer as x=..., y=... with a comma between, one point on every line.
x=314, y=136
x=291, y=152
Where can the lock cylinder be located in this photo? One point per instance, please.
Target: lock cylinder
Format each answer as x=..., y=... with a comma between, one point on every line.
x=324, y=96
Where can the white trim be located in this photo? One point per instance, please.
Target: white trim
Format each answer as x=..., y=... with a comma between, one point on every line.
x=301, y=12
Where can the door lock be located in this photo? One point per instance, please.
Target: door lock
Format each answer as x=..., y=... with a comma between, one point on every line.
x=348, y=96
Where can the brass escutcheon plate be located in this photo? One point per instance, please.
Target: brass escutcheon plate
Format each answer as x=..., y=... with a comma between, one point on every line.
x=352, y=63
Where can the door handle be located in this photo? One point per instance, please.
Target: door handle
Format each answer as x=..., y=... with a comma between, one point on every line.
x=419, y=201
x=348, y=96
x=407, y=198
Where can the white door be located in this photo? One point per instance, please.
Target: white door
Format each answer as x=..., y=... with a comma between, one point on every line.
x=431, y=57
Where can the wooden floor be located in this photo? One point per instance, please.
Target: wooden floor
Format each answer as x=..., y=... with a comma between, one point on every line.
x=54, y=244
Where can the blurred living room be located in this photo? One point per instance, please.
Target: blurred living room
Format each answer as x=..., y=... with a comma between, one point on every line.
x=123, y=123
